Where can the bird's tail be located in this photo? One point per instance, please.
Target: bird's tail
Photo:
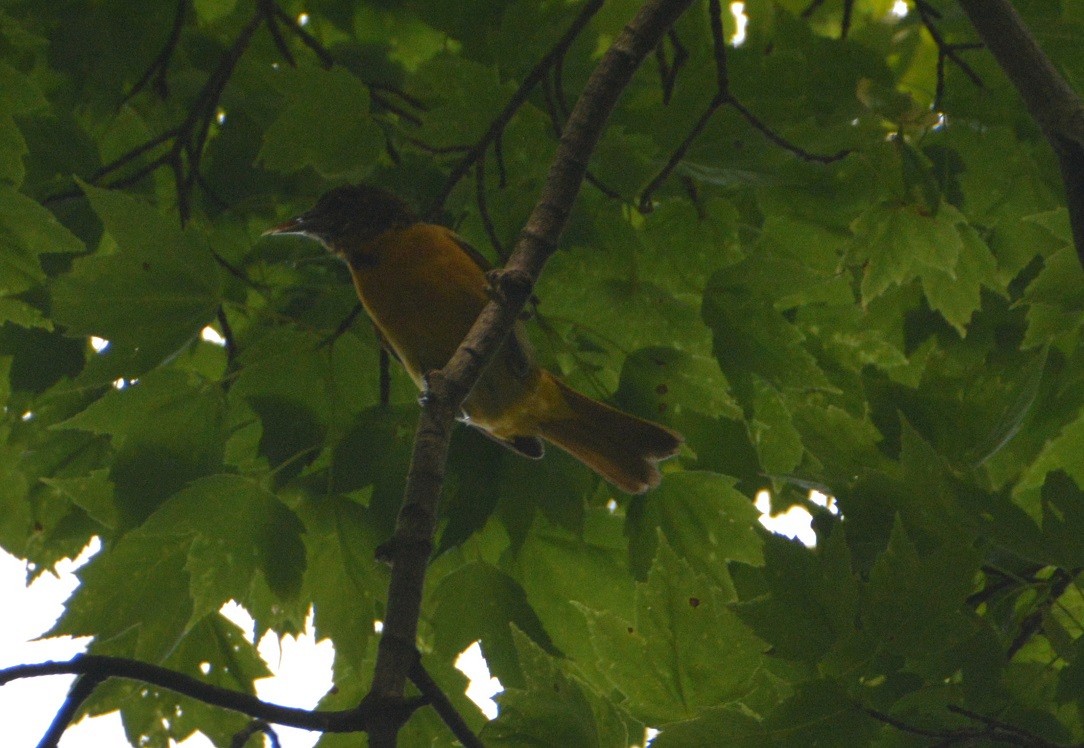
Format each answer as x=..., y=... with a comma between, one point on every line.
x=623, y=449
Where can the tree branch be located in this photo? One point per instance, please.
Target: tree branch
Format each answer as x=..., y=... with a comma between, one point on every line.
x=443, y=706
x=80, y=691
x=1049, y=98
x=413, y=539
x=95, y=669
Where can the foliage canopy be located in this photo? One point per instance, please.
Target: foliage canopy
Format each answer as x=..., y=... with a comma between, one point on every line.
x=858, y=276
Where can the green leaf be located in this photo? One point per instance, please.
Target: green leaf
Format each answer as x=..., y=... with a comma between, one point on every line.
x=1056, y=298
x=203, y=547
x=1060, y=453
x=956, y=294
x=914, y=605
x=214, y=652
x=479, y=602
x=324, y=124
x=138, y=589
x=156, y=290
x=554, y=707
x=27, y=230
x=18, y=94
x=472, y=487
x=772, y=431
x=667, y=662
x=819, y=713
x=897, y=243
x=12, y=150
x=812, y=597
x=141, y=408
x=1063, y=519
x=464, y=95
x=1071, y=677
x=92, y=492
x=610, y=306
x=703, y=519
x=563, y=572
x=796, y=263
x=15, y=515
x=167, y=429
x=340, y=381
x=341, y=577
x=727, y=725
x=237, y=529
x=750, y=337
x=656, y=381
x=24, y=315
x=210, y=11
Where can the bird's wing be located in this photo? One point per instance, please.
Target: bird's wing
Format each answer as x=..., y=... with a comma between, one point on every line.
x=520, y=354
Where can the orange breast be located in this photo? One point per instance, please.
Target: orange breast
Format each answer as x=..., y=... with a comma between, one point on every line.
x=423, y=293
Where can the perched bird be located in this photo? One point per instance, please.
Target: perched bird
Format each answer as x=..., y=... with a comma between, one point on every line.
x=423, y=287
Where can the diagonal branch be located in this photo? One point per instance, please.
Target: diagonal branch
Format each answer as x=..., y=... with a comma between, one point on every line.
x=443, y=706
x=413, y=539
x=80, y=691
x=1049, y=98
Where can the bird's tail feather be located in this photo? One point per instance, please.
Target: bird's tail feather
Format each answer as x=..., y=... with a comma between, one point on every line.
x=622, y=448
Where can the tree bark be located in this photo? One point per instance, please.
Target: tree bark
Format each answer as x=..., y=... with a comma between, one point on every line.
x=1049, y=98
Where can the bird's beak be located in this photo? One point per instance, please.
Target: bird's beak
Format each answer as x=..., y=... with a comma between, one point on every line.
x=296, y=225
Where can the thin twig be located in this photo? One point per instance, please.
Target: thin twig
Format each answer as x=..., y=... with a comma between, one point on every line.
x=646, y=204
x=1034, y=621
x=812, y=8
x=779, y=140
x=230, y=344
x=268, y=8
x=318, y=49
x=723, y=97
x=159, y=67
x=443, y=706
x=483, y=208
x=132, y=155
x=718, y=46
x=669, y=69
x=254, y=727
x=498, y=154
x=377, y=91
x=902, y=726
x=518, y=99
x=928, y=15
x=1026, y=737
x=845, y=22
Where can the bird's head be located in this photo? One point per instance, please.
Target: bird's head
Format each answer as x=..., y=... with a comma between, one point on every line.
x=348, y=216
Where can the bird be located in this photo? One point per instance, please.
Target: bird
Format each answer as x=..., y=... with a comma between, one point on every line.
x=423, y=286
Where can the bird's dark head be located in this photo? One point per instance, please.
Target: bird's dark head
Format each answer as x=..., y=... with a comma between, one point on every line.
x=348, y=216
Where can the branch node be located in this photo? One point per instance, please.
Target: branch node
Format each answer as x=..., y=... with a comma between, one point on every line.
x=511, y=286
